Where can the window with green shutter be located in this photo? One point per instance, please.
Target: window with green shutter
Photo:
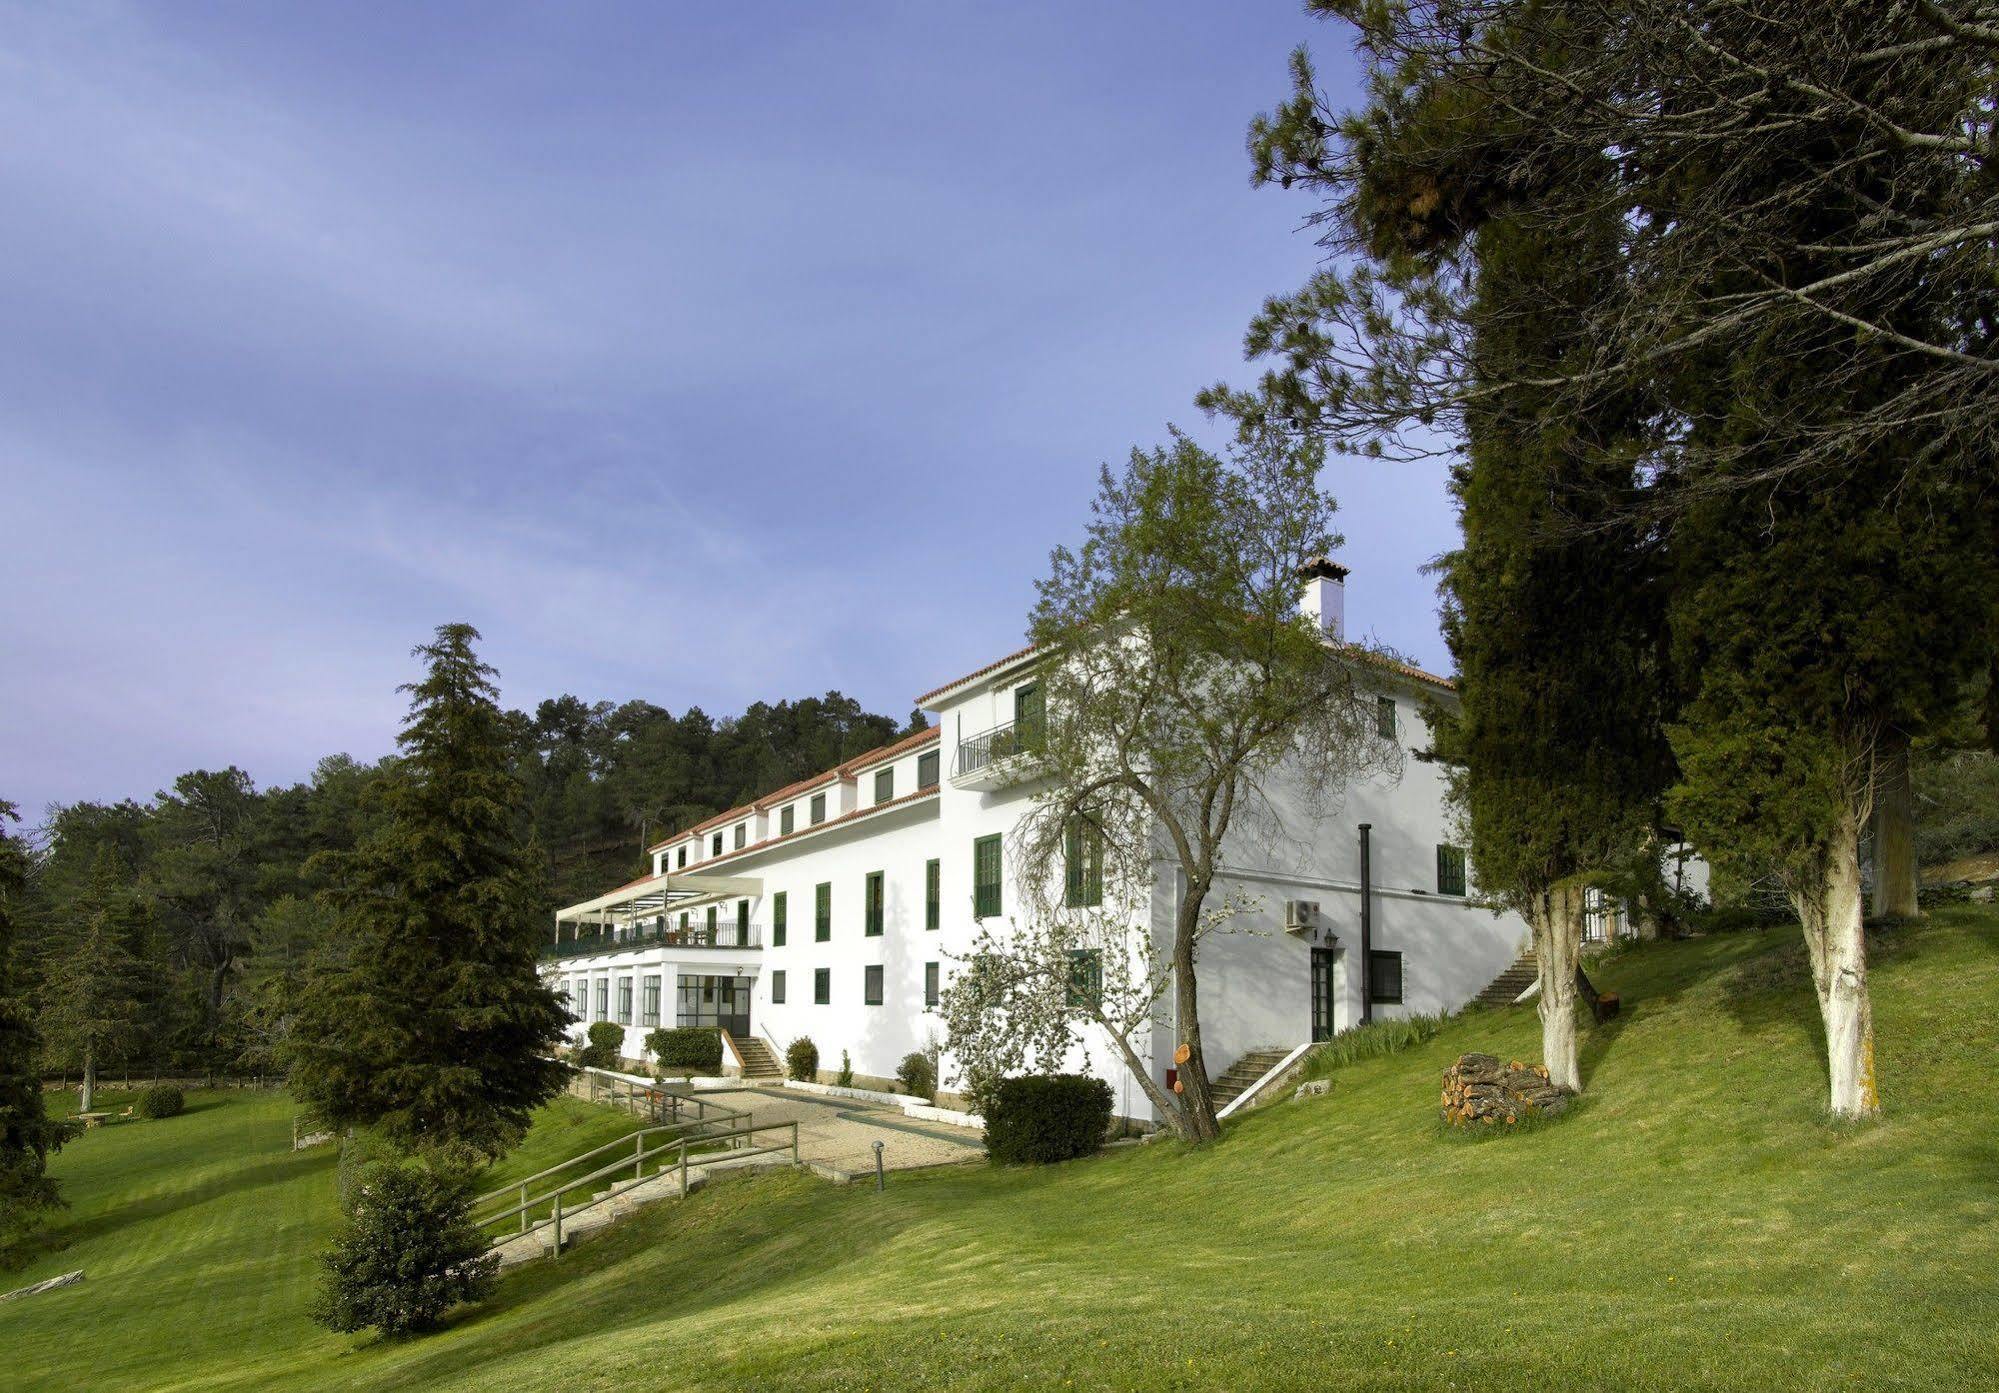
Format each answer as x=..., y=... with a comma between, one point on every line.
x=1086, y=977
x=711, y=923
x=779, y=911
x=872, y=928
x=1450, y=870
x=871, y=986
x=986, y=877
x=742, y=921
x=784, y=821
x=1083, y=863
x=822, y=986
x=933, y=893
x=818, y=808
x=1384, y=717
x=926, y=770
x=885, y=785
x=930, y=984
x=777, y=987
x=822, y=912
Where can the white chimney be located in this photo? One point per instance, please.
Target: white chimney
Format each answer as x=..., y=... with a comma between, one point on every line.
x=1325, y=597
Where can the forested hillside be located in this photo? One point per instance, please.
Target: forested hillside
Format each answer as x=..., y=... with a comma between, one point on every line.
x=217, y=881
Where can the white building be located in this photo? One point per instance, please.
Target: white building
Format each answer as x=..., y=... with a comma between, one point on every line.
x=835, y=908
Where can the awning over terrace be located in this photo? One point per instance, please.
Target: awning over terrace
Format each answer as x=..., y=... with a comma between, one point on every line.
x=650, y=897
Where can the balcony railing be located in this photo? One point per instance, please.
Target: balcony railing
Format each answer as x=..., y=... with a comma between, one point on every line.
x=989, y=747
x=693, y=936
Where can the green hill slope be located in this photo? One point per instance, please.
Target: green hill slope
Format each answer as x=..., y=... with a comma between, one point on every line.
x=1695, y=1223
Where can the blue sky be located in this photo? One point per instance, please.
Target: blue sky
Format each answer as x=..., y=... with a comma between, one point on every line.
x=694, y=353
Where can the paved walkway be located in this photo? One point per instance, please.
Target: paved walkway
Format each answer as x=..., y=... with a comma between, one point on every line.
x=836, y=1138
x=838, y=1134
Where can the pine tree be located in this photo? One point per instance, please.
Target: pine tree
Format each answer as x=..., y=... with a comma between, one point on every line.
x=435, y=1026
x=27, y=1133
x=92, y=1002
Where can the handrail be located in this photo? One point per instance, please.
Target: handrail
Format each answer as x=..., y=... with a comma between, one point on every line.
x=639, y=1157
x=597, y=1150
x=726, y=935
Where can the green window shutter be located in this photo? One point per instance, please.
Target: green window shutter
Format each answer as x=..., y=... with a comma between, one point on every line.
x=822, y=919
x=1086, y=977
x=930, y=984
x=873, y=927
x=784, y=821
x=1072, y=863
x=1384, y=717
x=1082, y=864
x=742, y=920
x=777, y=987
x=885, y=785
x=986, y=877
x=1450, y=870
x=778, y=909
x=711, y=923
x=871, y=986
x=822, y=986
x=933, y=893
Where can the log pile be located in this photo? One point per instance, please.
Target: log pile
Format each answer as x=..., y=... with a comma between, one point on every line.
x=1484, y=1090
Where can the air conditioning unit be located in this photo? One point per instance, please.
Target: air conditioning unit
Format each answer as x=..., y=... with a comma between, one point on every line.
x=1300, y=915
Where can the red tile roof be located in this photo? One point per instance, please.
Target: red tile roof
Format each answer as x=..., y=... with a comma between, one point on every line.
x=841, y=771
x=769, y=842
x=989, y=667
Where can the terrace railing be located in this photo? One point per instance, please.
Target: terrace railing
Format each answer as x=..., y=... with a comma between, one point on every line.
x=989, y=747
x=726, y=934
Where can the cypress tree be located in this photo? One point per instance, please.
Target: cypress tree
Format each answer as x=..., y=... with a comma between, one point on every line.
x=27, y=1133
x=92, y=1009
x=433, y=1025
x=1556, y=761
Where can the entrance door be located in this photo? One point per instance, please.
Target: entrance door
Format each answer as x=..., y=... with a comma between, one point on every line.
x=1323, y=997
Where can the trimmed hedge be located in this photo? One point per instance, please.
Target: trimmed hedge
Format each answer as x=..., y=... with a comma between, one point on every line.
x=161, y=1100
x=801, y=1061
x=1038, y=1119
x=918, y=1076
x=607, y=1042
x=687, y=1049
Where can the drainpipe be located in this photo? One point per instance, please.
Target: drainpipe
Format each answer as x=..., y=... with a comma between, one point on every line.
x=1366, y=922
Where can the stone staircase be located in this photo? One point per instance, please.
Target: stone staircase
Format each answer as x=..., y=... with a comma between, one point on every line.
x=758, y=1061
x=1244, y=1072
x=1508, y=985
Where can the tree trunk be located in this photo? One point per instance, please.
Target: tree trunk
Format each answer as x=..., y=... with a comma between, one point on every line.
x=1557, y=921
x=1894, y=832
x=1197, y=1114
x=89, y=1080
x=1830, y=911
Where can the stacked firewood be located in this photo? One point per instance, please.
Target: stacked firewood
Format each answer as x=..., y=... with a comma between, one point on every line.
x=1484, y=1090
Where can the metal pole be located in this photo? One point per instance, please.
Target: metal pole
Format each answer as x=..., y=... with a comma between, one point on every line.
x=1366, y=924
x=880, y=1180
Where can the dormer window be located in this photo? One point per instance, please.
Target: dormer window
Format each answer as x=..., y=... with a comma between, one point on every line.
x=885, y=785
x=715, y=845
x=681, y=863
x=784, y=820
x=818, y=808
x=742, y=835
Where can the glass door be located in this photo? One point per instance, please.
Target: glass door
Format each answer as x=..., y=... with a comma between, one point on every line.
x=1324, y=999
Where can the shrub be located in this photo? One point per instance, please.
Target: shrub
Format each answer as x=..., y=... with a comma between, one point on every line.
x=918, y=1076
x=1036, y=1119
x=1390, y=1035
x=846, y=1079
x=691, y=1049
x=801, y=1061
x=161, y=1100
x=409, y=1254
x=607, y=1042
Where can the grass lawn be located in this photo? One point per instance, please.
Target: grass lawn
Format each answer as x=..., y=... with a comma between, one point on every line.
x=1694, y=1223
